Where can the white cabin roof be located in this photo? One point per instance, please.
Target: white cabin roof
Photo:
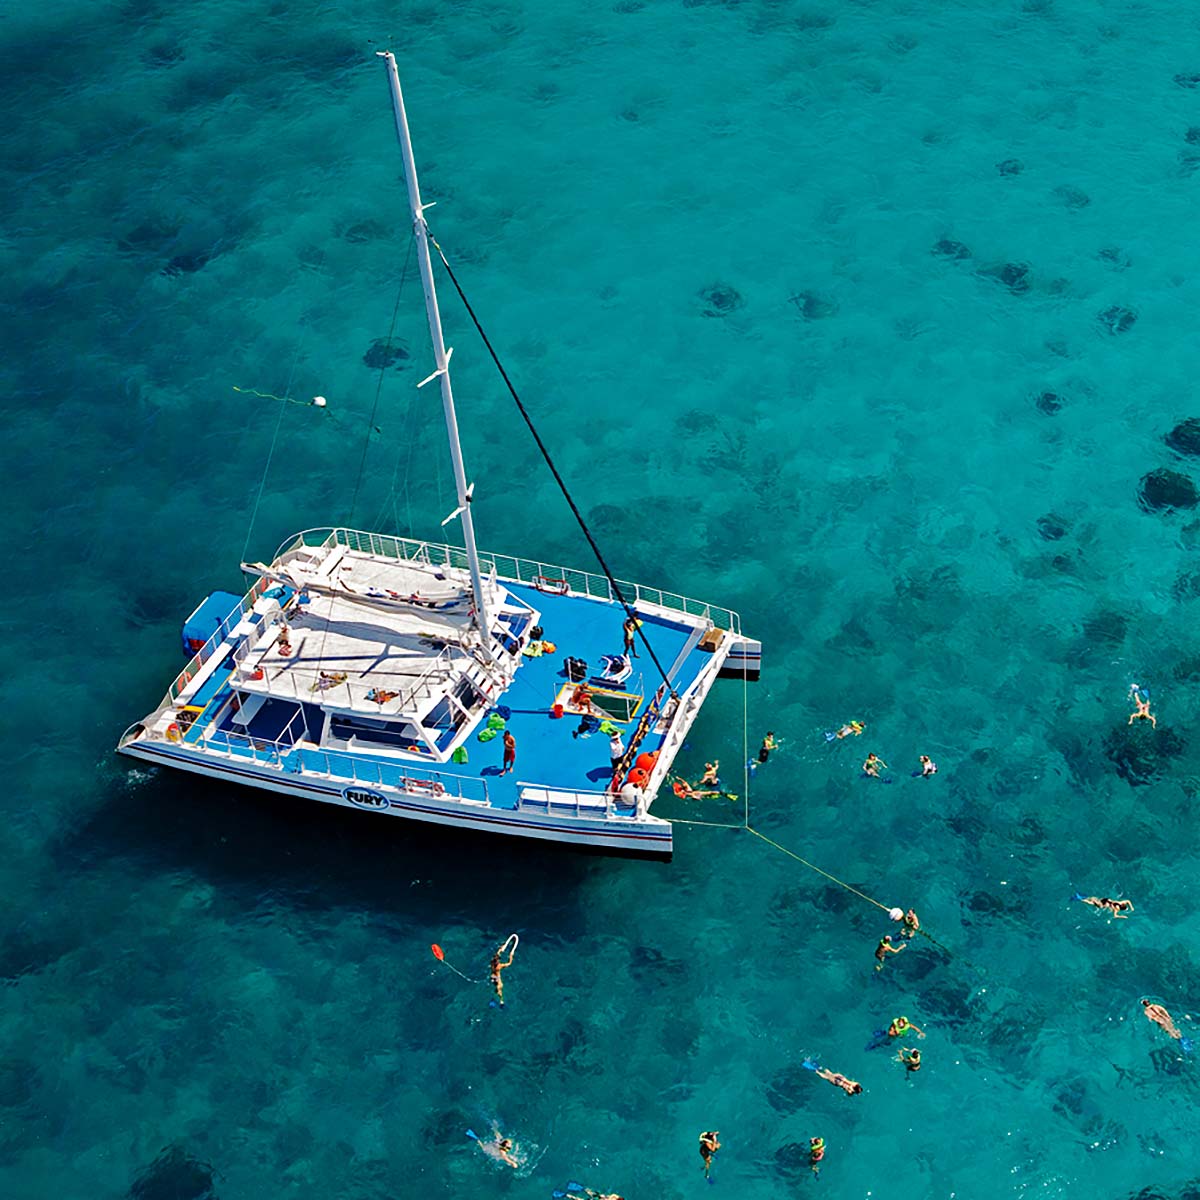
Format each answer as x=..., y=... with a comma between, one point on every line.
x=372, y=625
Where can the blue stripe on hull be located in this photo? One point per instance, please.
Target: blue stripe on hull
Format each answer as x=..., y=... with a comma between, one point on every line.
x=658, y=845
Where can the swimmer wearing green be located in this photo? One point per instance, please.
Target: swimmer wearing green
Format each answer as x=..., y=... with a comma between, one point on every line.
x=902, y=1025
x=885, y=948
x=910, y=1058
x=816, y=1153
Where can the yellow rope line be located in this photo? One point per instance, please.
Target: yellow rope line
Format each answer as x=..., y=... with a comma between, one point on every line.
x=814, y=867
x=710, y=824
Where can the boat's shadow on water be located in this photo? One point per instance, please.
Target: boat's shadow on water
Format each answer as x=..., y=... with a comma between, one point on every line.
x=248, y=842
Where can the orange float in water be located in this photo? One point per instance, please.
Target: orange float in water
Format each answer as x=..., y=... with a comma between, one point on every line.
x=437, y=952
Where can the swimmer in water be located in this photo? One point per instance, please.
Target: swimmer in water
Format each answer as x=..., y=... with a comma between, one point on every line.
x=911, y=924
x=1119, y=908
x=839, y=1080
x=902, y=1025
x=850, y=729
x=816, y=1153
x=872, y=764
x=710, y=777
x=685, y=791
x=885, y=948
x=928, y=766
x=590, y=1194
x=709, y=1145
x=497, y=966
x=499, y=1148
x=1141, y=712
x=910, y=1058
x=1159, y=1016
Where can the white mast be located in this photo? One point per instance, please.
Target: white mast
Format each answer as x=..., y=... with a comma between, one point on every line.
x=441, y=356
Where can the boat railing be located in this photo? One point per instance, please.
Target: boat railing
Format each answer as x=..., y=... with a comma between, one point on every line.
x=679, y=722
x=548, y=577
x=536, y=797
x=290, y=757
x=235, y=614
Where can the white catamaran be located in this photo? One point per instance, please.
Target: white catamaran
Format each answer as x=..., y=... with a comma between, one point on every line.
x=421, y=680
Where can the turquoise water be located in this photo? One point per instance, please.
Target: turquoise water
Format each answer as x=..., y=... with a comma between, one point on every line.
x=856, y=451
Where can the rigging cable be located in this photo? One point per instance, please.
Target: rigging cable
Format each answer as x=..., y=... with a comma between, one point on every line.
x=587, y=533
x=284, y=400
x=379, y=385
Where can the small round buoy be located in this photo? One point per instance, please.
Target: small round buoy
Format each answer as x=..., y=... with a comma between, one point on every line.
x=319, y=402
x=897, y=914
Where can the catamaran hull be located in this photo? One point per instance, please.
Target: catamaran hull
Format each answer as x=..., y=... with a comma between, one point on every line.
x=376, y=801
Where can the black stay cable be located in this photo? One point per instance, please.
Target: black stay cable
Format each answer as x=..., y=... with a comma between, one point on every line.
x=587, y=533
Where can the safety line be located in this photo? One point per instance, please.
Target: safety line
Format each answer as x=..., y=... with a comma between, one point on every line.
x=819, y=870
x=745, y=745
x=379, y=385
x=710, y=824
x=587, y=533
x=284, y=400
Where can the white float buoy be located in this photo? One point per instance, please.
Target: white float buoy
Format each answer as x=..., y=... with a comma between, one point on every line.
x=897, y=914
x=319, y=401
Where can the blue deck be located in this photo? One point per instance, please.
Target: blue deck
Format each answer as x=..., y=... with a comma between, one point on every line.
x=547, y=752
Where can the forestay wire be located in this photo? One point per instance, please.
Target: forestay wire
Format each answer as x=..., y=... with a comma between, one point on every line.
x=587, y=533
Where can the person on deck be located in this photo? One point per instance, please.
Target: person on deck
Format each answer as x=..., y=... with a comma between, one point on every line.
x=510, y=752
x=616, y=749
x=629, y=629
